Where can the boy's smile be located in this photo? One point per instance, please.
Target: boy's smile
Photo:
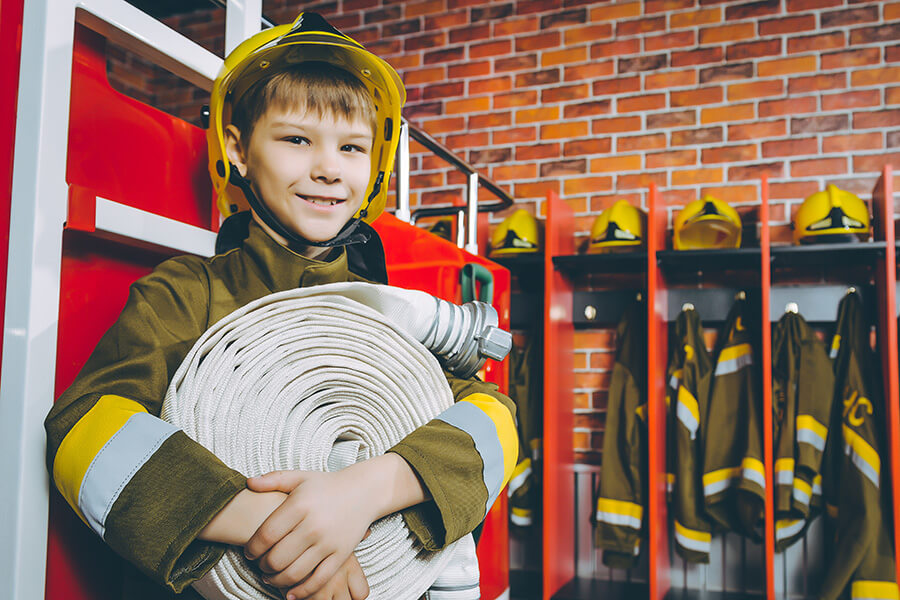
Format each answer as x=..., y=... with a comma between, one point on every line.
x=311, y=171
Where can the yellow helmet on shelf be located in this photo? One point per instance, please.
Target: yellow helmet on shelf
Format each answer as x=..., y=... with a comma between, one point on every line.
x=310, y=38
x=707, y=223
x=517, y=234
x=619, y=227
x=832, y=215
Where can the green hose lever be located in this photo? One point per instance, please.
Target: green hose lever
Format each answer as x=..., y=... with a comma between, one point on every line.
x=468, y=275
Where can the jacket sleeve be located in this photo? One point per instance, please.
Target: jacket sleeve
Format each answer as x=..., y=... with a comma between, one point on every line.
x=464, y=457
x=141, y=484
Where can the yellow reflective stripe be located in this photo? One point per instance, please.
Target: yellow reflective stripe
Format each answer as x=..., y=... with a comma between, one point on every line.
x=732, y=352
x=521, y=512
x=720, y=475
x=810, y=422
x=86, y=438
x=875, y=590
x=523, y=466
x=864, y=452
x=804, y=487
x=506, y=429
x=620, y=507
x=784, y=464
x=693, y=534
x=812, y=432
x=687, y=399
x=835, y=346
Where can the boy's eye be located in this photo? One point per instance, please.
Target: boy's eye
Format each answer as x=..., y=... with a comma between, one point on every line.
x=296, y=139
x=352, y=148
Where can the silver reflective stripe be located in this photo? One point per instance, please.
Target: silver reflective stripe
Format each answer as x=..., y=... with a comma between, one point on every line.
x=755, y=476
x=784, y=477
x=790, y=530
x=673, y=382
x=735, y=364
x=687, y=418
x=517, y=481
x=695, y=545
x=116, y=463
x=474, y=421
x=711, y=489
x=801, y=496
x=812, y=438
x=861, y=464
x=617, y=519
x=519, y=520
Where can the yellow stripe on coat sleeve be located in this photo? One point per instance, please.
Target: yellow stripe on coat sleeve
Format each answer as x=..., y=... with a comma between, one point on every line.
x=506, y=429
x=85, y=440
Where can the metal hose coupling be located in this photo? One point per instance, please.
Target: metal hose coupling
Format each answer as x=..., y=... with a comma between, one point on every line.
x=464, y=336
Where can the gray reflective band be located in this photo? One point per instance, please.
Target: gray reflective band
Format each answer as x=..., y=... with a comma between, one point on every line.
x=116, y=463
x=474, y=421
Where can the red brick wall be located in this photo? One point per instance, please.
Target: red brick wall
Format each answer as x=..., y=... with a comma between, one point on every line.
x=594, y=100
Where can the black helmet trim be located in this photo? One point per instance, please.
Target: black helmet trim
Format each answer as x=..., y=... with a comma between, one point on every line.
x=512, y=240
x=836, y=219
x=346, y=236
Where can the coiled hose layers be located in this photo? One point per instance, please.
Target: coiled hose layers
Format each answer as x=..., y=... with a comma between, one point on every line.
x=320, y=378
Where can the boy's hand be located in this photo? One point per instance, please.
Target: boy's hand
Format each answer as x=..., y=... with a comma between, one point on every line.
x=314, y=531
x=349, y=583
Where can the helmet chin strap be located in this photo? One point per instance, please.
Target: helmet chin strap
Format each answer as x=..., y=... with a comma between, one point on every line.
x=346, y=236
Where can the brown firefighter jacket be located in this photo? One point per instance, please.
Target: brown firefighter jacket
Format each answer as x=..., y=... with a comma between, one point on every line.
x=621, y=499
x=802, y=384
x=856, y=493
x=734, y=479
x=526, y=391
x=692, y=368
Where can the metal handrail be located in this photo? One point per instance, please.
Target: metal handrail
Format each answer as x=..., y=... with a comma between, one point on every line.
x=473, y=177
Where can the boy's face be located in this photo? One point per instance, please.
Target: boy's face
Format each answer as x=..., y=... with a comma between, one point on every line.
x=311, y=171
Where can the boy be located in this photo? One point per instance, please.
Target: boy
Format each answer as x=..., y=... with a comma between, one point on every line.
x=303, y=120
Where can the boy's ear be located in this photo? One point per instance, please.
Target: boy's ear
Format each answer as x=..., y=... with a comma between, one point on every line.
x=234, y=150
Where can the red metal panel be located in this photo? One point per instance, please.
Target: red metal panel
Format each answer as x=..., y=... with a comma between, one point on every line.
x=657, y=345
x=559, y=487
x=886, y=284
x=126, y=151
x=10, y=49
x=768, y=456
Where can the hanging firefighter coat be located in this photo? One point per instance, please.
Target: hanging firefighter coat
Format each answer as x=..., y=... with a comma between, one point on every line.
x=802, y=384
x=862, y=555
x=734, y=479
x=525, y=389
x=620, y=501
x=693, y=370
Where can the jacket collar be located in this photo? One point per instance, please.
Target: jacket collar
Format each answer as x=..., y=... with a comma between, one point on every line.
x=282, y=269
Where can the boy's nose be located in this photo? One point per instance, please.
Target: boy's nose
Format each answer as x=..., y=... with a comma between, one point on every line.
x=326, y=168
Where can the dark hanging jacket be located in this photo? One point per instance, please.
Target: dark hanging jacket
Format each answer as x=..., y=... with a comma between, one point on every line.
x=861, y=549
x=620, y=504
x=692, y=529
x=526, y=391
x=734, y=478
x=802, y=383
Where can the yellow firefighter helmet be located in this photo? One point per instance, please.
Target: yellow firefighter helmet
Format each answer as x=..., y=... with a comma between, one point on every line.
x=707, y=223
x=309, y=38
x=832, y=215
x=619, y=227
x=517, y=234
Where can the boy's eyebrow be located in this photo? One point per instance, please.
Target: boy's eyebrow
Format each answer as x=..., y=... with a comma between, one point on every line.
x=363, y=132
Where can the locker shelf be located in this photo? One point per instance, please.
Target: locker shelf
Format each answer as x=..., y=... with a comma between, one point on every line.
x=689, y=261
x=579, y=264
x=830, y=255
x=518, y=262
x=584, y=588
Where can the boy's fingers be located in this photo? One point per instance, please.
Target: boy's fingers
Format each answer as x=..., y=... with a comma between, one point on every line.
x=357, y=584
x=276, y=481
x=280, y=523
x=284, y=553
x=298, y=572
x=322, y=574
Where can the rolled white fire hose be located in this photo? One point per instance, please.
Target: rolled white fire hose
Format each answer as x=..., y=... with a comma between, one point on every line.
x=320, y=378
